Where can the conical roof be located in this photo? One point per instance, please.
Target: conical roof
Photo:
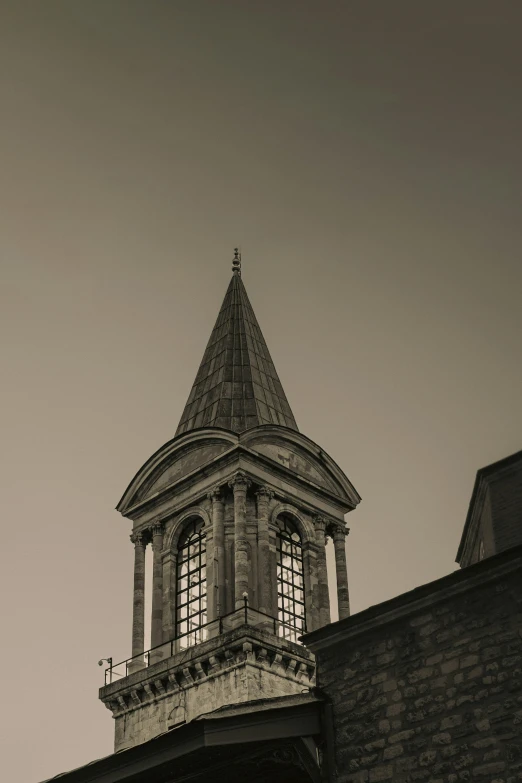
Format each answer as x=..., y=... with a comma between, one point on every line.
x=237, y=386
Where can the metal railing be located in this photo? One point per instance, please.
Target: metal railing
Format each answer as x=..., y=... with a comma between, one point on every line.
x=227, y=622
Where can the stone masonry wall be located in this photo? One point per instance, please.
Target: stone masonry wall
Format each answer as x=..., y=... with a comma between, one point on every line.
x=240, y=683
x=434, y=695
x=243, y=664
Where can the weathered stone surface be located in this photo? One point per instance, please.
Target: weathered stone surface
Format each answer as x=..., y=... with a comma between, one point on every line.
x=450, y=709
x=242, y=665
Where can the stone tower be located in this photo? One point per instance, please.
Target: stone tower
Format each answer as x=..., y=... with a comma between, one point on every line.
x=237, y=508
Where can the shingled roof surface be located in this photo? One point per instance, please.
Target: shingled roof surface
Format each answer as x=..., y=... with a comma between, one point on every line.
x=237, y=386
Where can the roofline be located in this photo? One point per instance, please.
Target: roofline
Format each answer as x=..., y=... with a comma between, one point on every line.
x=416, y=600
x=187, y=435
x=288, y=722
x=482, y=477
x=212, y=384
x=235, y=440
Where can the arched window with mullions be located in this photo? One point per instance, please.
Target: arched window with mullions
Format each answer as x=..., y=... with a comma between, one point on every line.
x=290, y=581
x=191, y=586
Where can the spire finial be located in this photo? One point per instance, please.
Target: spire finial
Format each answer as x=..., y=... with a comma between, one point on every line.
x=236, y=268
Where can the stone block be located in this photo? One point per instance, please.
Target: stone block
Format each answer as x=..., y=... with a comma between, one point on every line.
x=450, y=721
x=392, y=752
x=381, y=773
x=442, y=738
x=449, y=666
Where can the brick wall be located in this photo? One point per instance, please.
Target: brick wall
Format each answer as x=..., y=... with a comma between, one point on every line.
x=428, y=686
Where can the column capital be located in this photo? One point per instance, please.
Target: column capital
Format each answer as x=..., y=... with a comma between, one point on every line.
x=215, y=494
x=137, y=539
x=264, y=493
x=339, y=533
x=320, y=523
x=157, y=528
x=239, y=481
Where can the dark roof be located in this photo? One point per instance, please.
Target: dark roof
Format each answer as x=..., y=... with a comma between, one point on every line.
x=231, y=744
x=484, y=475
x=237, y=386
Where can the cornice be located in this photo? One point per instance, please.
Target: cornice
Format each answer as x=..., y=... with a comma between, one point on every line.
x=185, y=482
x=293, y=478
x=232, y=458
x=416, y=601
x=218, y=654
x=175, y=449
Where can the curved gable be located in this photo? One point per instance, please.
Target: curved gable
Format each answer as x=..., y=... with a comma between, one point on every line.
x=300, y=455
x=177, y=458
x=295, y=460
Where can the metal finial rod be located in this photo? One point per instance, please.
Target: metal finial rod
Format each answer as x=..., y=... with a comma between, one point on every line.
x=236, y=263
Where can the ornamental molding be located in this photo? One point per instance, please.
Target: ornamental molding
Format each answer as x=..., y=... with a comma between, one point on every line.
x=215, y=494
x=161, y=682
x=320, y=523
x=239, y=481
x=138, y=539
x=339, y=533
x=332, y=527
x=157, y=528
x=264, y=493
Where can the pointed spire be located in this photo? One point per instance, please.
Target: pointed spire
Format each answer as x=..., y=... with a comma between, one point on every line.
x=237, y=386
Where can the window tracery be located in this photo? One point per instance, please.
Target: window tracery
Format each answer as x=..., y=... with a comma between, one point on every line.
x=290, y=581
x=191, y=586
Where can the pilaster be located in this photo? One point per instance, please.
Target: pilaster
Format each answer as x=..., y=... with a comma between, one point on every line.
x=323, y=597
x=339, y=540
x=169, y=565
x=239, y=485
x=156, y=628
x=138, y=603
x=264, y=495
x=216, y=601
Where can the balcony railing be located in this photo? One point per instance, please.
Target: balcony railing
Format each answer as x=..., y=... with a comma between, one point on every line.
x=242, y=616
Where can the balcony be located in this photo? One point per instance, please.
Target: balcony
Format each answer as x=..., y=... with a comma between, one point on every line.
x=229, y=622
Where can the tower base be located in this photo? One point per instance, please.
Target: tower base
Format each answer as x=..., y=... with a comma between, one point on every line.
x=244, y=664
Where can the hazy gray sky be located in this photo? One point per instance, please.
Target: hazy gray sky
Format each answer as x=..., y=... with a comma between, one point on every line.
x=366, y=155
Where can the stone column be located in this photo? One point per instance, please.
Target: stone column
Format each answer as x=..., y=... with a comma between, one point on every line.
x=156, y=625
x=138, y=605
x=264, y=494
x=310, y=582
x=240, y=485
x=322, y=573
x=169, y=594
x=341, y=571
x=208, y=532
x=217, y=607
x=273, y=530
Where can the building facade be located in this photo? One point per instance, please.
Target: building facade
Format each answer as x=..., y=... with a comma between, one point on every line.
x=246, y=677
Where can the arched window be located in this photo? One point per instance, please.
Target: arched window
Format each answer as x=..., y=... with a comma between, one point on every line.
x=191, y=586
x=290, y=583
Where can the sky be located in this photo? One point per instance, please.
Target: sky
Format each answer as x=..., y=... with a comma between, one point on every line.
x=366, y=157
